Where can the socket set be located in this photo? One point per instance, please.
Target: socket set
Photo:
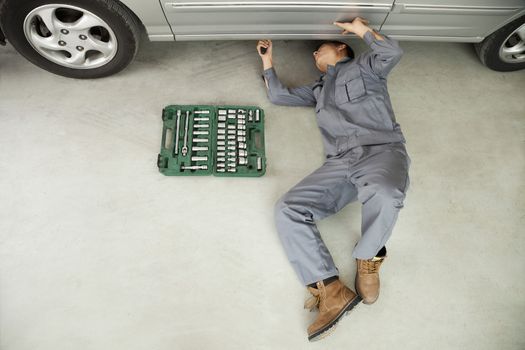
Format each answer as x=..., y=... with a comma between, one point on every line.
x=218, y=140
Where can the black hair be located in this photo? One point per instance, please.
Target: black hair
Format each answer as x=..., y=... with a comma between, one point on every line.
x=349, y=51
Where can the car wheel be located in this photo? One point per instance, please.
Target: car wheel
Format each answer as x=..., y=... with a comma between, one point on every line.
x=504, y=50
x=80, y=39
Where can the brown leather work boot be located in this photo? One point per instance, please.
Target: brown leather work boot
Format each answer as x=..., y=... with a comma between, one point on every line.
x=333, y=301
x=367, y=277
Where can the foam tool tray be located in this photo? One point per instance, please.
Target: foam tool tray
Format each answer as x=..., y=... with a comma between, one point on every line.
x=218, y=140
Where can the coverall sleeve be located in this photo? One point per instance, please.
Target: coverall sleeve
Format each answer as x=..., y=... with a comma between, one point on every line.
x=281, y=95
x=385, y=54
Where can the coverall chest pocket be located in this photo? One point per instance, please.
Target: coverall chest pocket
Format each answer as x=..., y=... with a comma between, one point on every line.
x=349, y=86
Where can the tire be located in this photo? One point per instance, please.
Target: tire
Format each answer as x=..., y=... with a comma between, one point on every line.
x=85, y=39
x=491, y=50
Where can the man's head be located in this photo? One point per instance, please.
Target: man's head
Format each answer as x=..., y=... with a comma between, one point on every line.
x=330, y=52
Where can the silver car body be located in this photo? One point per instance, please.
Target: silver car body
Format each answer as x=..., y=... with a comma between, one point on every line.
x=425, y=20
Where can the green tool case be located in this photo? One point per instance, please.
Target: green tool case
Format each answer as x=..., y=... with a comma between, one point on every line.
x=218, y=140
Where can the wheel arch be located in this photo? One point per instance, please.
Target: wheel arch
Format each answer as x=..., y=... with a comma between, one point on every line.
x=504, y=23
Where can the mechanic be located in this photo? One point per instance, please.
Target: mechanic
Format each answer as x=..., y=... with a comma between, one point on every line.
x=365, y=160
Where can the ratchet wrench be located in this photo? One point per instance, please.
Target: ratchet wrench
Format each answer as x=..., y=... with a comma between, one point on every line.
x=185, y=146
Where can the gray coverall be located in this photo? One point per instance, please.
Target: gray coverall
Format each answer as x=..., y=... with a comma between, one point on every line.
x=366, y=158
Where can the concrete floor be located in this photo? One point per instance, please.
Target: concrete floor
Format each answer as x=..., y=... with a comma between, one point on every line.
x=100, y=251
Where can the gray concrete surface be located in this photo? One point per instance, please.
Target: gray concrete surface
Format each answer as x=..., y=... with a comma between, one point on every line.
x=100, y=251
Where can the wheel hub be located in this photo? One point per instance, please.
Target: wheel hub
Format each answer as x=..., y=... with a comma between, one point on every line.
x=513, y=48
x=70, y=36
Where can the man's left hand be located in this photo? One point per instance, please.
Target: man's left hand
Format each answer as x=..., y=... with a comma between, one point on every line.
x=359, y=26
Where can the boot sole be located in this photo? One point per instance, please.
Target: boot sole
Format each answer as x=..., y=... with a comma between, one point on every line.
x=330, y=327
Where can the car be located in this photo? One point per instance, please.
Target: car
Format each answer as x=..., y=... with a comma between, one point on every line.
x=97, y=38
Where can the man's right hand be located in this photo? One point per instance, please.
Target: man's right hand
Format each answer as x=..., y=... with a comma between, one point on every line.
x=267, y=44
x=267, y=56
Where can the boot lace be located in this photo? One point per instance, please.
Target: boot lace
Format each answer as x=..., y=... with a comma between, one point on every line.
x=312, y=303
x=371, y=266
